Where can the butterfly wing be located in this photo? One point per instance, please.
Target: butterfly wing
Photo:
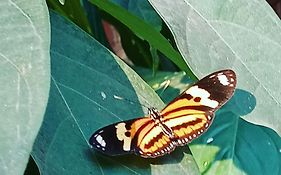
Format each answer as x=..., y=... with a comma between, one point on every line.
x=187, y=116
x=119, y=138
x=153, y=142
x=191, y=113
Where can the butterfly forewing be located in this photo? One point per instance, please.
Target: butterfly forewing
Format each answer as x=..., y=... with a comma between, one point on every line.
x=182, y=120
x=119, y=138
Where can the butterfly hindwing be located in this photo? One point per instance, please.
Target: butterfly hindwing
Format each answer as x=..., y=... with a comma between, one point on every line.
x=152, y=142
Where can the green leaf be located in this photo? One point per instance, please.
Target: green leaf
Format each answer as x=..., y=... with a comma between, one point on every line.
x=167, y=85
x=231, y=145
x=92, y=88
x=243, y=36
x=145, y=32
x=235, y=146
x=143, y=10
x=25, y=79
x=73, y=10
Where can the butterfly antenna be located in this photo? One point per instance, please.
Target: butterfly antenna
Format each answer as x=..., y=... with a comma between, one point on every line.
x=131, y=101
x=166, y=83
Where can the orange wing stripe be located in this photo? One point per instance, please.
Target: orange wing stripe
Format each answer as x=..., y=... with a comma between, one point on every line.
x=187, y=110
x=188, y=127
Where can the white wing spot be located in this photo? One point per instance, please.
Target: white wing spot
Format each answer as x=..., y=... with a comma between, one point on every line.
x=182, y=140
x=179, y=141
x=120, y=133
x=100, y=141
x=223, y=80
x=195, y=91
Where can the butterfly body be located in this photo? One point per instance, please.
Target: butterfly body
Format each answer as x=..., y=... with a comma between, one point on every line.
x=185, y=118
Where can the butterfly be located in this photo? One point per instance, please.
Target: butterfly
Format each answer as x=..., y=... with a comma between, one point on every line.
x=185, y=118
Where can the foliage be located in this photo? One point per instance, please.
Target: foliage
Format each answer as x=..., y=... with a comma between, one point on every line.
x=91, y=87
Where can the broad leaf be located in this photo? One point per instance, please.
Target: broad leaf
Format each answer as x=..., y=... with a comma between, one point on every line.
x=244, y=36
x=92, y=88
x=25, y=79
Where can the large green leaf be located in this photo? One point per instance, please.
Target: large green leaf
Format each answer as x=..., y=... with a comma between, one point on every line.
x=144, y=31
x=231, y=145
x=242, y=35
x=25, y=79
x=87, y=83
